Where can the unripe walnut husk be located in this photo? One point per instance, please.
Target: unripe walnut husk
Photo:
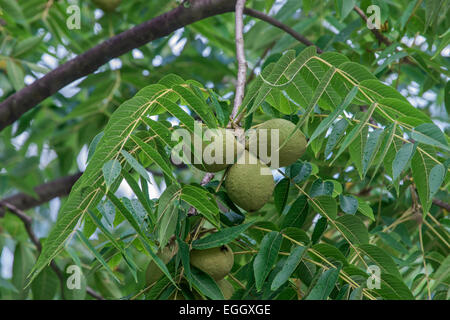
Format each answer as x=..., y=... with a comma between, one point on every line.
x=216, y=262
x=246, y=186
x=224, y=140
x=291, y=151
x=153, y=272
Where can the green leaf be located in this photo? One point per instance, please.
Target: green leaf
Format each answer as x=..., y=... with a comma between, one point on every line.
x=153, y=154
x=111, y=238
x=387, y=140
x=266, y=257
x=89, y=189
x=220, y=112
x=93, y=145
x=287, y=67
x=46, y=285
x=389, y=60
x=15, y=74
x=353, y=228
x=398, y=108
x=296, y=215
x=319, y=188
x=345, y=7
x=401, y=159
x=280, y=194
x=324, y=285
x=324, y=205
x=356, y=150
x=26, y=45
x=371, y=148
x=96, y=254
x=392, y=242
x=380, y=258
x=205, y=284
x=321, y=87
x=442, y=274
x=185, y=258
x=299, y=171
x=292, y=262
x=392, y=288
x=296, y=234
x=136, y=165
x=348, y=204
x=365, y=209
x=328, y=251
x=201, y=200
x=167, y=214
x=111, y=171
x=221, y=237
x=22, y=264
x=437, y=175
x=429, y=133
x=319, y=229
x=130, y=218
x=198, y=105
x=140, y=194
x=421, y=165
x=447, y=95
x=337, y=132
x=325, y=124
x=5, y=284
x=356, y=131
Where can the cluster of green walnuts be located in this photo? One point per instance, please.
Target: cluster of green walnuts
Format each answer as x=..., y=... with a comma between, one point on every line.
x=246, y=186
x=249, y=181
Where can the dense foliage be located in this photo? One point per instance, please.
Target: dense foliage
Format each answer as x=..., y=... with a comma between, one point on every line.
x=371, y=191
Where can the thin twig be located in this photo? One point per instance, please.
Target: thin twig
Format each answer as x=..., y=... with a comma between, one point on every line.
x=240, y=56
x=381, y=38
x=278, y=24
x=442, y=204
x=94, y=294
x=27, y=222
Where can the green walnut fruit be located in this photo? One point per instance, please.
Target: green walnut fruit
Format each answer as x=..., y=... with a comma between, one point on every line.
x=153, y=272
x=226, y=287
x=249, y=185
x=291, y=151
x=107, y=5
x=220, y=142
x=217, y=262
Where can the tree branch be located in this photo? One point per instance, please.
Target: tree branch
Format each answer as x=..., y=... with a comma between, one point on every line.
x=240, y=56
x=46, y=192
x=20, y=102
x=27, y=222
x=13, y=107
x=381, y=38
x=278, y=24
x=442, y=204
